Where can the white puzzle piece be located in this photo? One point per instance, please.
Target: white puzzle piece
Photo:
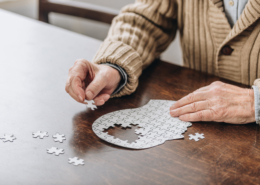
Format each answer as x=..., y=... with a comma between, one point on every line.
x=8, y=137
x=76, y=161
x=40, y=134
x=59, y=137
x=157, y=126
x=196, y=137
x=91, y=104
x=55, y=150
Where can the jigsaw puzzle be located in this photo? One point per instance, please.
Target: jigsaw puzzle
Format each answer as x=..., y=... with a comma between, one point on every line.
x=156, y=125
x=7, y=137
x=40, y=134
x=91, y=104
x=196, y=137
x=76, y=161
x=55, y=150
x=59, y=137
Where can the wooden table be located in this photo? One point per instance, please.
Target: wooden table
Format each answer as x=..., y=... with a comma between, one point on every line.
x=34, y=62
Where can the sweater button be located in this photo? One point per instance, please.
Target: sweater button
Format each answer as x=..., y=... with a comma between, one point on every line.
x=226, y=50
x=231, y=3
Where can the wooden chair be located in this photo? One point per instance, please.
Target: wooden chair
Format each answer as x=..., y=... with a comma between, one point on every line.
x=74, y=8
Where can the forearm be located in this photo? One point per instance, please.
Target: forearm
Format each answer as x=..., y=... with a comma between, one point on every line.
x=257, y=104
x=137, y=37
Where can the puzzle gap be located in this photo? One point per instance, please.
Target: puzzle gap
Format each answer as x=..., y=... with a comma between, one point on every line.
x=123, y=133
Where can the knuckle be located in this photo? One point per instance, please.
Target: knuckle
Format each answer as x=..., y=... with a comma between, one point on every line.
x=218, y=113
x=209, y=103
x=79, y=61
x=216, y=90
x=217, y=83
x=70, y=69
x=96, y=86
x=190, y=97
x=200, y=115
x=194, y=107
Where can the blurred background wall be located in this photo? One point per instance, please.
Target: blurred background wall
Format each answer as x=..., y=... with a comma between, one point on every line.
x=29, y=8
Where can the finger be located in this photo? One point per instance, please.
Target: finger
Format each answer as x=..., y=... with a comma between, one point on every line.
x=206, y=88
x=204, y=115
x=192, y=97
x=193, y=107
x=95, y=87
x=75, y=89
x=101, y=99
x=82, y=68
x=73, y=95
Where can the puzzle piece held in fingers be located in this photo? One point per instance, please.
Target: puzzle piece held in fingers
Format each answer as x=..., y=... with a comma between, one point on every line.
x=91, y=104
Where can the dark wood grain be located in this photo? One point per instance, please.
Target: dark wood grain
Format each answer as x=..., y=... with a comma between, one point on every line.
x=229, y=154
x=74, y=8
x=33, y=70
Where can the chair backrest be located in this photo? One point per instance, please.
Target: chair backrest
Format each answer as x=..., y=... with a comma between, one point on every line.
x=74, y=8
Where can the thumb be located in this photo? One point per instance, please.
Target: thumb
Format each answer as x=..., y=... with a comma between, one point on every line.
x=94, y=88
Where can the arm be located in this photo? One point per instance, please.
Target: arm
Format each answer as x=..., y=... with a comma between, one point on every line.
x=256, y=87
x=139, y=34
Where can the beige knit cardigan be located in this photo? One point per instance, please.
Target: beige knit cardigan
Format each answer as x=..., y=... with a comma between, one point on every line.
x=143, y=30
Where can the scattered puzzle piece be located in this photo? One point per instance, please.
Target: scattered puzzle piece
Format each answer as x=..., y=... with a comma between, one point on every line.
x=59, y=137
x=40, y=134
x=55, y=150
x=76, y=161
x=196, y=137
x=7, y=137
x=91, y=104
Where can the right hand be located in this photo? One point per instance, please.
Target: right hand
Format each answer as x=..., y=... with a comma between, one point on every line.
x=91, y=81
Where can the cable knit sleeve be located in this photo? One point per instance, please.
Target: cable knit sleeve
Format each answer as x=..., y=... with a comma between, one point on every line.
x=139, y=34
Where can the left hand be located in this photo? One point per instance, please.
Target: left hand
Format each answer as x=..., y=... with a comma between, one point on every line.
x=218, y=102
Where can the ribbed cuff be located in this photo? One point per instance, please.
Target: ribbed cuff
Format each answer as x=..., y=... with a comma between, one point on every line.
x=123, y=77
x=120, y=54
x=257, y=104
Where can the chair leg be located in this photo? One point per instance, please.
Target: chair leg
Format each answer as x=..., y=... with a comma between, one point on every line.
x=43, y=15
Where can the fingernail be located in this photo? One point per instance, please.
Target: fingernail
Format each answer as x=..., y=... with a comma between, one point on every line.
x=80, y=98
x=106, y=98
x=89, y=95
x=100, y=102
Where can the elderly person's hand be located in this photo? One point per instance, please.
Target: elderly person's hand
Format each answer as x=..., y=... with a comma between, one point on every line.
x=218, y=102
x=89, y=81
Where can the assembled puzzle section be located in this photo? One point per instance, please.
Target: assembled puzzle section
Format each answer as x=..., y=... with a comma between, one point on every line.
x=157, y=126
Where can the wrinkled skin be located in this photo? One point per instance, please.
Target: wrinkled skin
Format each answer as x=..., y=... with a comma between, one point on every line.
x=219, y=102
x=89, y=81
